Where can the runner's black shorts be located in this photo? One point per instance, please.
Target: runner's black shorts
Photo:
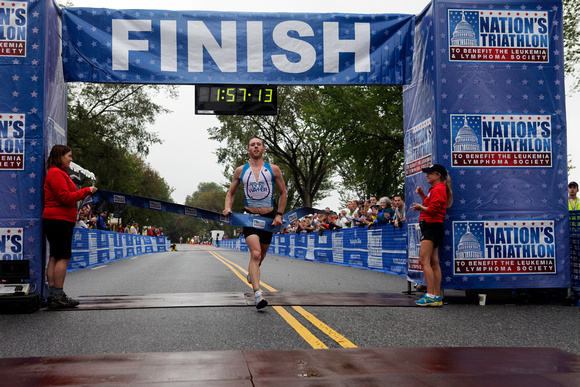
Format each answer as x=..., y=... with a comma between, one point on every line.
x=432, y=232
x=59, y=234
x=265, y=236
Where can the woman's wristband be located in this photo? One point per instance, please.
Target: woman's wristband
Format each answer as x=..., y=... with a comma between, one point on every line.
x=279, y=213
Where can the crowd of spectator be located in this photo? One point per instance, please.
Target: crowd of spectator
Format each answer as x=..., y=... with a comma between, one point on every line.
x=358, y=213
x=100, y=222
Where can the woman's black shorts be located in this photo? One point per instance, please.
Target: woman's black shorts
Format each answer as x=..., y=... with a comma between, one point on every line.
x=265, y=236
x=432, y=232
x=59, y=234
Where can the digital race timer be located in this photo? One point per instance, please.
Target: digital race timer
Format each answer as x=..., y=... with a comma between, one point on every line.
x=236, y=99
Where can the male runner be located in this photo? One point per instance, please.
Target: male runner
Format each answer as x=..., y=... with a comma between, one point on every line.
x=258, y=178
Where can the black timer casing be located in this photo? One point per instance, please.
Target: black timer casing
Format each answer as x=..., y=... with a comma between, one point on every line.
x=236, y=99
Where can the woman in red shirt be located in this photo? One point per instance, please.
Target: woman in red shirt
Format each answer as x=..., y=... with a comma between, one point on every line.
x=58, y=220
x=433, y=211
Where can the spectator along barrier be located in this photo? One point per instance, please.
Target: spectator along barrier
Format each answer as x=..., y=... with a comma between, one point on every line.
x=94, y=247
x=383, y=248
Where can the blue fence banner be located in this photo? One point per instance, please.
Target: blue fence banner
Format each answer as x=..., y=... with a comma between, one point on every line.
x=95, y=247
x=382, y=248
x=487, y=102
x=196, y=47
x=575, y=253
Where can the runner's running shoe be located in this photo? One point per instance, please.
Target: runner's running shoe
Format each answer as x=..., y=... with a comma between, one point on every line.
x=260, y=300
x=427, y=301
x=439, y=300
x=62, y=302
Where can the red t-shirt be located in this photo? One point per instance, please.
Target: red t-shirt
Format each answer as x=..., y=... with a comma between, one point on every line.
x=436, y=203
x=61, y=195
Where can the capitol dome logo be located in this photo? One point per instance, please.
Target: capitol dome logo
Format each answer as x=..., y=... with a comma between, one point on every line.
x=464, y=34
x=469, y=247
x=466, y=139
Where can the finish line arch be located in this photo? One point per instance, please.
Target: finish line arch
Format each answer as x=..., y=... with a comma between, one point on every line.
x=484, y=96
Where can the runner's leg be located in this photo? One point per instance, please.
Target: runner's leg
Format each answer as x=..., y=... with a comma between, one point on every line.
x=254, y=245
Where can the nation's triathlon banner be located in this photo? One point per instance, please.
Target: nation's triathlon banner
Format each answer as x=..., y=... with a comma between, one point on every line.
x=95, y=247
x=32, y=118
x=382, y=248
x=196, y=47
x=487, y=102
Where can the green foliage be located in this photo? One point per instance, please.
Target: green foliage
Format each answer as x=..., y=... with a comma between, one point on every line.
x=570, y=166
x=108, y=136
x=114, y=114
x=209, y=196
x=368, y=136
x=572, y=40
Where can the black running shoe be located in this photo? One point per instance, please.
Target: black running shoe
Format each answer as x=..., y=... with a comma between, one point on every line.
x=71, y=301
x=62, y=302
x=45, y=302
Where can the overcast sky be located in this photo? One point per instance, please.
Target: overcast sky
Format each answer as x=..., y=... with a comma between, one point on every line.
x=186, y=157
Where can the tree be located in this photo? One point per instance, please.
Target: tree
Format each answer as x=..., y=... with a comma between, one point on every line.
x=368, y=136
x=572, y=41
x=114, y=114
x=209, y=196
x=300, y=149
x=107, y=133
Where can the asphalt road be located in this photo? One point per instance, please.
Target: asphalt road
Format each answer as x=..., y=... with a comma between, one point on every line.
x=462, y=323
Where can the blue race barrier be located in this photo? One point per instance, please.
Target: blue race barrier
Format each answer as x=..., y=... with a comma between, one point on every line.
x=575, y=253
x=383, y=248
x=95, y=247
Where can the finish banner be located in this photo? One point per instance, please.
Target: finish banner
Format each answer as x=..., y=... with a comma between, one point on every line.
x=197, y=47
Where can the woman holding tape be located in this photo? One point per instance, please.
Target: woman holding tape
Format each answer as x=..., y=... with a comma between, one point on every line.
x=433, y=211
x=58, y=220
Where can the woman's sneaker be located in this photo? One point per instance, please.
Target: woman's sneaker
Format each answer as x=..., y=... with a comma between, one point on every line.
x=428, y=301
x=62, y=302
x=260, y=300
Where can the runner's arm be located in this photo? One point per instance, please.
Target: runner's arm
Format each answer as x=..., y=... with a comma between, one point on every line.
x=283, y=195
x=232, y=191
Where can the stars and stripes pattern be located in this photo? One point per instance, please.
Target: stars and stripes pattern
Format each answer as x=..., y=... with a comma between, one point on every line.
x=469, y=90
x=88, y=47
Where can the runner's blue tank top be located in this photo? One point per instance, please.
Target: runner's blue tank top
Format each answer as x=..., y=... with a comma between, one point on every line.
x=260, y=192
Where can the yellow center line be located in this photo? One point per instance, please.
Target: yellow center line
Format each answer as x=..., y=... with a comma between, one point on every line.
x=293, y=322
x=334, y=335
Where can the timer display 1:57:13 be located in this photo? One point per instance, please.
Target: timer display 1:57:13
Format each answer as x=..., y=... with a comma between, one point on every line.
x=235, y=94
